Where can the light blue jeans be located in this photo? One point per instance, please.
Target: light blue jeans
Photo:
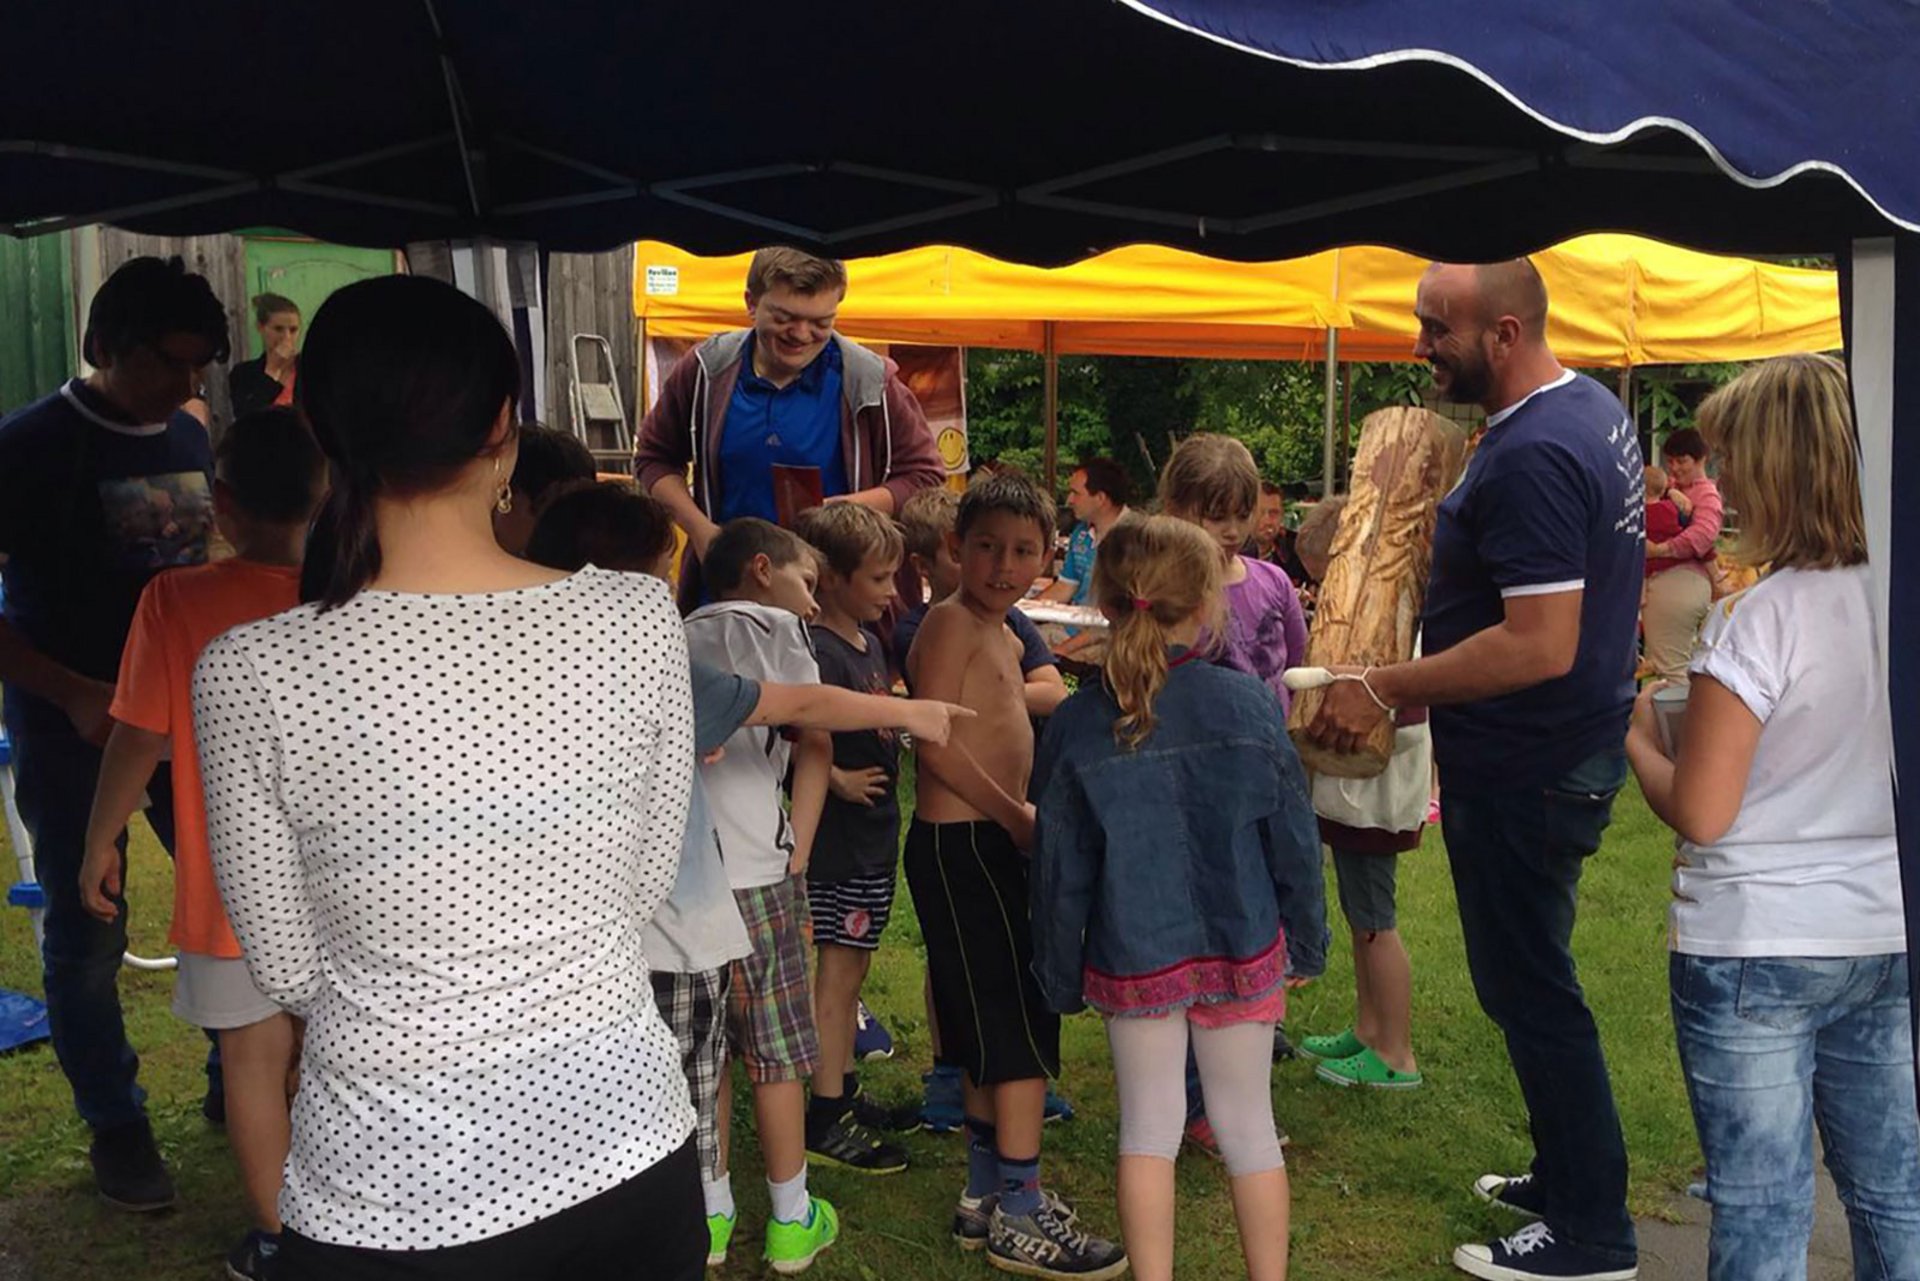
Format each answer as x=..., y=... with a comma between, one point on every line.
x=1771, y=1047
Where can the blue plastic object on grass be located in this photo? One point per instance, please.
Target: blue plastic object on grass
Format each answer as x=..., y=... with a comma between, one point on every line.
x=23, y=1020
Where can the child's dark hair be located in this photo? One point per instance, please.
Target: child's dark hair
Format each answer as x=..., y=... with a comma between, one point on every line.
x=1006, y=491
x=926, y=519
x=608, y=523
x=146, y=299
x=1685, y=443
x=1210, y=477
x=403, y=379
x=1152, y=574
x=271, y=464
x=845, y=534
x=739, y=541
x=549, y=457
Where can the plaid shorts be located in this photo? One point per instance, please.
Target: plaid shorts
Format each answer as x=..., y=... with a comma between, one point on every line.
x=853, y=912
x=694, y=1006
x=770, y=999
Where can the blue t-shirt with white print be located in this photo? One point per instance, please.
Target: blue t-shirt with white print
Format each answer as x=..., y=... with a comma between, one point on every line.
x=1553, y=500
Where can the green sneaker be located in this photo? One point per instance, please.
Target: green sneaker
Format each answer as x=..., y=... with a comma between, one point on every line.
x=792, y=1247
x=719, y=1236
x=1341, y=1045
x=1365, y=1068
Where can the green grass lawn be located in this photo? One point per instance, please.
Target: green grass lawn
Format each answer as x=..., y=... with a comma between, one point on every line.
x=1380, y=1180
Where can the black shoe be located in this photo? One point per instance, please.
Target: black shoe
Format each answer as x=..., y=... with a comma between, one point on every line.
x=128, y=1169
x=1531, y=1254
x=214, y=1107
x=1516, y=1194
x=904, y=1119
x=1282, y=1047
x=252, y=1259
x=849, y=1145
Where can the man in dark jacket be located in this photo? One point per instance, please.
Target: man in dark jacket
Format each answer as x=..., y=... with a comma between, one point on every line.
x=783, y=414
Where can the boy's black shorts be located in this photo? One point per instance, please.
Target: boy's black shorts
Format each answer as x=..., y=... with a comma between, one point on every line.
x=969, y=883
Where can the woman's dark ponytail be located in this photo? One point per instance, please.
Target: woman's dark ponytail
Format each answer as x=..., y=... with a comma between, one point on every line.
x=403, y=379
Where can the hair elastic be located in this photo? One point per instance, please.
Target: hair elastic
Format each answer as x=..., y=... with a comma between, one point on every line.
x=1141, y=604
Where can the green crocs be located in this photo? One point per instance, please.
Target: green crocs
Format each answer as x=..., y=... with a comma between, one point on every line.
x=719, y=1237
x=1341, y=1045
x=1365, y=1068
x=792, y=1247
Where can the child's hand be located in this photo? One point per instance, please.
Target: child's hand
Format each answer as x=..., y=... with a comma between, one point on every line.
x=930, y=721
x=1022, y=833
x=86, y=706
x=99, y=878
x=1296, y=981
x=797, y=865
x=859, y=786
x=1644, y=723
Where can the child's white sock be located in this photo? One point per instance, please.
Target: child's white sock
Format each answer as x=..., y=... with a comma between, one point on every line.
x=719, y=1195
x=790, y=1198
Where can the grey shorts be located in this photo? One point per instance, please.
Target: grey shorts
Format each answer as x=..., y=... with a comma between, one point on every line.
x=1366, y=889
x=215, y=993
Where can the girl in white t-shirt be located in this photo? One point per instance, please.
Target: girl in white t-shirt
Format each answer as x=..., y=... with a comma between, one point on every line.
x=1789, y=971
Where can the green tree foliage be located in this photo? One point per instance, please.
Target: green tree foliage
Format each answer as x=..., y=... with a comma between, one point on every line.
x=1133, y=408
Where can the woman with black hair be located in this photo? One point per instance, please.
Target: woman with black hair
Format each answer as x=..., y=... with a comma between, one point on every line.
x=443, y=799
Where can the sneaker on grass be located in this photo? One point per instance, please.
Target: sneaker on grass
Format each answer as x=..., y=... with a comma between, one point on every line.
x=871, y=1040
x=128, y=1169
x=1043, y=1244
x=973, y=1217
x=792, y=1247
x=252, y=1259
x=903, y=1118
x=1333, y=1045
x=1531, y=1254
x=1058, y=1109
x=849, y=1145
x=719, y=1237
x=1368, y=1069
x=945, y=1108
x=1517, y=1193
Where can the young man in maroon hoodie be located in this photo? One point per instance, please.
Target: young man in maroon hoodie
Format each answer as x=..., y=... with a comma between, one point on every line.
x=777, y=406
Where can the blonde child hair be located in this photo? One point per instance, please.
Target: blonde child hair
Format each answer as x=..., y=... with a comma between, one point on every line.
x=1784, y=434
x=1209, y=477
x=845, y=534
x=1153, y=574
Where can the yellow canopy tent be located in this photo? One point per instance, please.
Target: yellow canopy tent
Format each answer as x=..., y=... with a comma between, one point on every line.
x=1618, y=301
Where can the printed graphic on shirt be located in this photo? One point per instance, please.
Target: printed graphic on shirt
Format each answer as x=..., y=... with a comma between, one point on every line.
x=157, y=522
x=1625, y=443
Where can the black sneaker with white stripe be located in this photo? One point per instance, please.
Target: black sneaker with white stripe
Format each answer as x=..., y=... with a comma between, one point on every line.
x=1044, y=1244
x=1516, y=1193
x=1532, y=1254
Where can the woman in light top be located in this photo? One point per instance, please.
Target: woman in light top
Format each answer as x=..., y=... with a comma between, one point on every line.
x=1789, y=970
x=443, y=799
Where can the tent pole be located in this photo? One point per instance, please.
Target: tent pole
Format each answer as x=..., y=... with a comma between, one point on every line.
x=1051, y=396
x=1328, y=456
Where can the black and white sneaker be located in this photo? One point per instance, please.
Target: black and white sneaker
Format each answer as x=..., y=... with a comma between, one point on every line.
x=1531, y=1254
x=973, y=1216
x=1043, y=1244
x=849, y=1145
x=1516, y=1194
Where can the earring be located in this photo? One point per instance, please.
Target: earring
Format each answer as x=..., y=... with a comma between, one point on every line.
x=504, y=503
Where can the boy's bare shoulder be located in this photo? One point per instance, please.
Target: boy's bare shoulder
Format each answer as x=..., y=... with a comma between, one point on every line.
x=948, y=638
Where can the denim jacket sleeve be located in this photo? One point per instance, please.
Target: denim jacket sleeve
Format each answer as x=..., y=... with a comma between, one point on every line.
x=1066, y=868
x=1291, y=836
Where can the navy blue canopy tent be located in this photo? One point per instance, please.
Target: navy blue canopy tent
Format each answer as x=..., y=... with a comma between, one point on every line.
x=1041, y=132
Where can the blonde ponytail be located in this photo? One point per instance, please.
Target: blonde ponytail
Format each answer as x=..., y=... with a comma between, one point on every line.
x=1151, y=575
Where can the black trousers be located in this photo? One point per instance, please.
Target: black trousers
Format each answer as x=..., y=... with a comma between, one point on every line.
x=653, y=1226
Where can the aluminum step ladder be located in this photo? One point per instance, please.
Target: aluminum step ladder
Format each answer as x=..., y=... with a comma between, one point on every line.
x=593, y=395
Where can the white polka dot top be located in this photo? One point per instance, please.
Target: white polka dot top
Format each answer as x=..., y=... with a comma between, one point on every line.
x=438, y=824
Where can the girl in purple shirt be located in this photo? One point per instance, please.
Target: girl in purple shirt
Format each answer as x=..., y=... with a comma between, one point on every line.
x=1211, y=482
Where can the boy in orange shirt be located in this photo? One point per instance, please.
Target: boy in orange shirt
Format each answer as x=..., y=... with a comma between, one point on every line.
x=269, y=475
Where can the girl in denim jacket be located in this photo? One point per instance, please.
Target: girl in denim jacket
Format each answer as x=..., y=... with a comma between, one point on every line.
x=1176, y=884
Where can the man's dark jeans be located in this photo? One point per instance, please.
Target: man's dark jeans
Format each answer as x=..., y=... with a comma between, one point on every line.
x=1516, y=856
x=55, y=775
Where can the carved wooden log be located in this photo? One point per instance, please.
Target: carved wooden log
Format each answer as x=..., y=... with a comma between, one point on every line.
x=1368, y=607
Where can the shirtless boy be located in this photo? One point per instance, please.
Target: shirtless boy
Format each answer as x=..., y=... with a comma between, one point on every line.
x=966, y=863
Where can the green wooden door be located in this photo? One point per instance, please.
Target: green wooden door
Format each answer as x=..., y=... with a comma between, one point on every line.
x=305, y=271
x=36, y=317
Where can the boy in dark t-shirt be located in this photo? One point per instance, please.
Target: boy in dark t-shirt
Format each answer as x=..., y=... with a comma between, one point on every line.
x=850, y=879
x=103, y=484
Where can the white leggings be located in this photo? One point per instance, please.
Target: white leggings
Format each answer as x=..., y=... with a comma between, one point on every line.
x=1236, y=1065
